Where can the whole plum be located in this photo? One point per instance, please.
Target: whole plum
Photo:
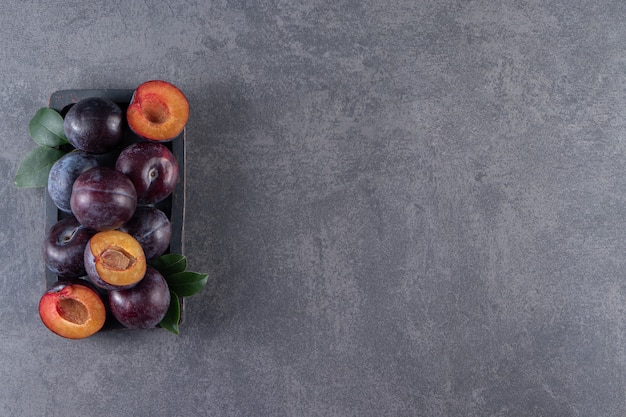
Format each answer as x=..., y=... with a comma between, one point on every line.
x=64, y=247
x=63, y=174
x=144, y=305
x=94, y=125
x=152, y=229
x=152, y=168
x=103, y=198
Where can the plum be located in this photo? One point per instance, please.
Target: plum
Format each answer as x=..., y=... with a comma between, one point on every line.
x=152, y=168
x=144, y=305
x=64, y=246
x=114, y=260
x=152, y=229
x=103, y=198
x=72, y=309
x=63, y=174
x=158, y=111
x=94, y=125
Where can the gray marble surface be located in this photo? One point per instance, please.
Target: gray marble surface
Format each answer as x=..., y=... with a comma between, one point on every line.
x=406, y=208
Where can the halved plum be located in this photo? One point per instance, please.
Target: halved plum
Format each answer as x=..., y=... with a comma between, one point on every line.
x=158, y=111
x=114, y=260
x=72, y=309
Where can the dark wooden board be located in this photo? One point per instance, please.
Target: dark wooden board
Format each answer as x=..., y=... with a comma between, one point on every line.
x=173, y=206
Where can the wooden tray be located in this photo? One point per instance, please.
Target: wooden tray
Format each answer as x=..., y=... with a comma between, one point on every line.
x=173, y=206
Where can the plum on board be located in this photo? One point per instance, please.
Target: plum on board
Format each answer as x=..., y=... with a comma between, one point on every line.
x=72, y=309
x=158, y=111
x=103, y=198
x=152, y=229
x=144, y=305
x=114, y=260
x=94, y=125
x=64, y=246
x=152, y=168
x=63, y=174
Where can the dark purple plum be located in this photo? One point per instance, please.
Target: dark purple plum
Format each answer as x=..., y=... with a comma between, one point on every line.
x=63, y=174
x=94, y=125
x=152, y=168
x=103, y=198
x=144, y=305
x=64, y=247
x=152, y=229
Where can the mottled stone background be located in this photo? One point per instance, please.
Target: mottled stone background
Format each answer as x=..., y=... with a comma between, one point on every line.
x=406, y=208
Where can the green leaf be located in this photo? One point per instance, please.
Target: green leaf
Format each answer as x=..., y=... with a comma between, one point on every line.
x=34, y=168
x=169, y=264
x=46, y=128
x=172, y=317
x=186, y=283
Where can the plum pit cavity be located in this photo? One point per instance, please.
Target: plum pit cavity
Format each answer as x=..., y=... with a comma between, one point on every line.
x=72, y=310
x=155, y=111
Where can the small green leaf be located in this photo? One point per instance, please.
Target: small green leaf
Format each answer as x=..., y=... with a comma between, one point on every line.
x=186, y=283
x=46, y=128
x=34, y=168
x=169, y=264
x=172, y=317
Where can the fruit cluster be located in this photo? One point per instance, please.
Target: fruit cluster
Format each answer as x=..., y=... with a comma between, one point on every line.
x=110, y=245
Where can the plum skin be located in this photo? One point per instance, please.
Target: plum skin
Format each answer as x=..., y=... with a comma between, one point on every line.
x=103, y=198
x=94, y=125
x=144, y=305
x=63, y=174
x=152, y=229
x=152, y=168
x=64, y=246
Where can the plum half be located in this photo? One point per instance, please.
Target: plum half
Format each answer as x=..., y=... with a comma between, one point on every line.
x=72, y=309
x=103, y=198
x=157, y=111
x=114, y=260
x=144, y=305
